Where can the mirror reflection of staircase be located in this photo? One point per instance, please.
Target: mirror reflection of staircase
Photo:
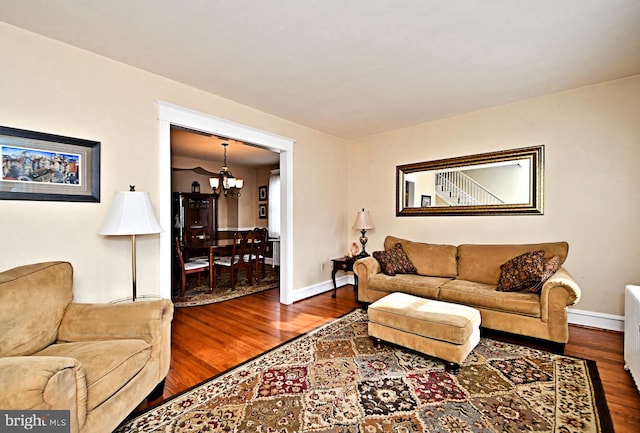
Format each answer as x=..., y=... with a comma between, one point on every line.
x=458, y=189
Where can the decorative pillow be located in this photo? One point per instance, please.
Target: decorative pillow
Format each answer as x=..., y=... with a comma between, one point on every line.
x=521, y=272
x=394, y=261
x=549, y=268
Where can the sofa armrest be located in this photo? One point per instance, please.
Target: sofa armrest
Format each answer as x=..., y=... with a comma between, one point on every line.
x=146, y=320
x=364, y=268
x=44, y=383
x=558, y=292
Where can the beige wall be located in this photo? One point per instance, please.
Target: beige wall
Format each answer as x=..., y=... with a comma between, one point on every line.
x=592, y=139
x=262, y=179
x=592, y=170
x=52, y=87
x=244, y=209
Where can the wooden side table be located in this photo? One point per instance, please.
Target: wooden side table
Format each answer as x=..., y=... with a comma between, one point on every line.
x=344, y=264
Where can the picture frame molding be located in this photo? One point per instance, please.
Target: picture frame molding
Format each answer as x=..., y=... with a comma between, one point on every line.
x=263, y=193
x=262, y=211
x=89, y=155
x=425, y=200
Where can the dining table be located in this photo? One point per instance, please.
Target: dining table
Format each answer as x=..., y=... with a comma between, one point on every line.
x=212, y=246
x=215, y=248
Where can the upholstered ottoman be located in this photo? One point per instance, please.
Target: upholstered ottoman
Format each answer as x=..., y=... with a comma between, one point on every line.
x=439, y=329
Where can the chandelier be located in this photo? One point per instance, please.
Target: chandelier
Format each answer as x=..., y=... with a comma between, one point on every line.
x=225, y=183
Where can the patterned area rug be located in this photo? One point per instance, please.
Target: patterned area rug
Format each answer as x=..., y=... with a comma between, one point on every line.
x=199, y=295
x=334, y=380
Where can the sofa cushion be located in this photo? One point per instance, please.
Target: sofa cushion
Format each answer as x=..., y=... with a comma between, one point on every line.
x=549, y=268
x=521, y=272
x=429, y=259
x=394, y=261
x=108, y=365
x=480, y=295
x=481, y=263
x=426, y=287
x=33, y=299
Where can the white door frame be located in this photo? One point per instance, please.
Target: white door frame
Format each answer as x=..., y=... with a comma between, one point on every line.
x=170, y=114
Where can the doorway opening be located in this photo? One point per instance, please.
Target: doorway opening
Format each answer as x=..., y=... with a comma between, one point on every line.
x=169, y=115
x=207, y=219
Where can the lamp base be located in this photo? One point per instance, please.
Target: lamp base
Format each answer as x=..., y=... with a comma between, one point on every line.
x=363, y=242
x=138, y=298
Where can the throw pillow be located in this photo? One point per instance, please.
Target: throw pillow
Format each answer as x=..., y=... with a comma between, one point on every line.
x=394, y=261
x=521, y=272
x=549, y=268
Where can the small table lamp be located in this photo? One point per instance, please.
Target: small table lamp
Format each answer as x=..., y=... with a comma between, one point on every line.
x=131, y=214
x=363, y=223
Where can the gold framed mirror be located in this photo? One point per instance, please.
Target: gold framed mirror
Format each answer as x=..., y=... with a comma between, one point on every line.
x=506, y=182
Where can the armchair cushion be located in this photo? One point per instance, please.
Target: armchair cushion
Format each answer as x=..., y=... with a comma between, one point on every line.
x=137, y=320
x=30, y=323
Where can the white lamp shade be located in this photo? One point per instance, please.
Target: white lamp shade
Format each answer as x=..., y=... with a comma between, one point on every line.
x=214, y=182
x=363, y=221
x=131, y=214
x=239, y=183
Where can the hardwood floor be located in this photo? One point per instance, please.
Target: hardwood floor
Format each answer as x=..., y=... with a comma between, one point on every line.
x=210, y=339
x=606, y=348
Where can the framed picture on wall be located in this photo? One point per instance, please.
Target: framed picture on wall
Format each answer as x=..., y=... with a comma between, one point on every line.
x=426, y=201
x=262, y=211
x=262, y=193
x=48, y=167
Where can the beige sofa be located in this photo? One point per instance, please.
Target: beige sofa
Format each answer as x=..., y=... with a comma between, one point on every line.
x=469, y=274
x=100, y=361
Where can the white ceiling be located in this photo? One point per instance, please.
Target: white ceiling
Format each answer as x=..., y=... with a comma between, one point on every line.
x=207, y=147
x=352, y=68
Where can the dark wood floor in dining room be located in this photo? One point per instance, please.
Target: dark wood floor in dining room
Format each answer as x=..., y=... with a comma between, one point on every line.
x=210, y=339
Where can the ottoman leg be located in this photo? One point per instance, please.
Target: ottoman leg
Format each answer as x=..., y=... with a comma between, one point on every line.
x=377, y=343
x=452, y=367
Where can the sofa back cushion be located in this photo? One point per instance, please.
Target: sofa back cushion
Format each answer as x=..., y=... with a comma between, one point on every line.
x=481, y=263
x=394, y=261
x=33, y=299
x=429, y=259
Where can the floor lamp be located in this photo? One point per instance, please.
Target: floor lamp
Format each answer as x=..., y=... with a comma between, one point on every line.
x=131, y=214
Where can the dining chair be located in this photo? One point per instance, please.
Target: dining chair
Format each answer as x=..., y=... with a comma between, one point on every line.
x=196, y=243
x=261, y=237
x=241, y=247
x=193, y=267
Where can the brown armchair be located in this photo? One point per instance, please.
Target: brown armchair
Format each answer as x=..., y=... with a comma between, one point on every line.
x=99, y=361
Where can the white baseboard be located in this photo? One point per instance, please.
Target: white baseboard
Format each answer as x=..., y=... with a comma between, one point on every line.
x=576, y=317
x=594, y=319
x=325, y=286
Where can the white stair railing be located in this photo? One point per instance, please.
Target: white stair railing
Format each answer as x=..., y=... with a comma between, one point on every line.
x=458, y=189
